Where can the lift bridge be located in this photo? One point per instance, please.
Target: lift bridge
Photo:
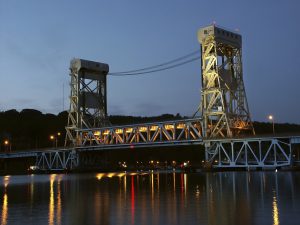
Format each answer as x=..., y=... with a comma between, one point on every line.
x=224, y=127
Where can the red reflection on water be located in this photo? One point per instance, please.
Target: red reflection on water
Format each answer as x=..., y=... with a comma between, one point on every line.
x=132, y=199
x=182, y=189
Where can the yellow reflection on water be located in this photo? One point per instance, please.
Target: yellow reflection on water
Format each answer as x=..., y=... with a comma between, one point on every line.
x=4, y=210
x=4, y=213
x=174, y=183
x=197, y=192
x=31, y=191
x=152, y=187
x=51, y=200
x=55, y=213
x=125, y=185
x=185, y=181
x=121, y=174
x=275, y=211
x=58, y=211
x=6, y=180
x=110, y=175
x=99, y=176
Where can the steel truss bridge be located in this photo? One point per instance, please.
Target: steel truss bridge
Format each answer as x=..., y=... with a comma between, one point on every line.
x=250, y=152
x=224, y=110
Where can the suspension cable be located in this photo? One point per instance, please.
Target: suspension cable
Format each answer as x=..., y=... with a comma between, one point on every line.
x=157, y=70
x=159, y=67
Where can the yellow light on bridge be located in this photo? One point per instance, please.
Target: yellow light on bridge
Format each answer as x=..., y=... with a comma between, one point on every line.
x=106, y=132
x=169, y=126
x=180, y=126
x=119, y=131
x=153, y=128
x=6, y=142
x=143, y=129
x=51, y=137
x=129, y=130
x=97, y=133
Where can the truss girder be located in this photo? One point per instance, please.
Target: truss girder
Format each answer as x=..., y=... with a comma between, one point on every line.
x=57, y=160
x=171, y=131
x=251, y=152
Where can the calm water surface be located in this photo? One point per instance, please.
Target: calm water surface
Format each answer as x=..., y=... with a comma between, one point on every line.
x=152, y=198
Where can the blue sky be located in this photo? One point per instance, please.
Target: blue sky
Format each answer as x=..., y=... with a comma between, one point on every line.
x=39, y=38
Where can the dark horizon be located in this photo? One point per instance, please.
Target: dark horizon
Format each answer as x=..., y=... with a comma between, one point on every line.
x=178, y=115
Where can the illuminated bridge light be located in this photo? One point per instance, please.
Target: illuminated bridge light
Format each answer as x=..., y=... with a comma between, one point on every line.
x=106, y=132
x=169, y=126
x=119, y=131
x=180, y=126
x=153, y=128
x=143, y=129
x=97, y=133
x=129, y=130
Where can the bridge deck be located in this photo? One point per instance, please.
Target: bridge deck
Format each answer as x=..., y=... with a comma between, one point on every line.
x=254, y=151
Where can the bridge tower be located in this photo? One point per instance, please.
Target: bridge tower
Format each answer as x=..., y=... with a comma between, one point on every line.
x=88, y=99
x=224, y=106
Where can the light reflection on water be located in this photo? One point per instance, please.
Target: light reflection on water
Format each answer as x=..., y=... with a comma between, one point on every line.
x=4, y=212
x=275, y=211
x=152, y=198
x=55, y=200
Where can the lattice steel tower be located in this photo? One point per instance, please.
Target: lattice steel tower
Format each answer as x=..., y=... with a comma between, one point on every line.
x=224, y=106
x=88, y=99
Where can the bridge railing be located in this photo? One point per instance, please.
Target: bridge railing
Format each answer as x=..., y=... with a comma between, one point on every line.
x=147, y=133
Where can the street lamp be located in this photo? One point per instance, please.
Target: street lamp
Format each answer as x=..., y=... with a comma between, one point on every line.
x=7, y=145
x=271, y=118
x=54, y=138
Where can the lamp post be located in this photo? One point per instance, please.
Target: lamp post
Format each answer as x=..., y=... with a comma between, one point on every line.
x=54, y=138
x=7, y=145
x=271, y=118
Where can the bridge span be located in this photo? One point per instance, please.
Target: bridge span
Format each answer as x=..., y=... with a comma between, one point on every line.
x=247, y=152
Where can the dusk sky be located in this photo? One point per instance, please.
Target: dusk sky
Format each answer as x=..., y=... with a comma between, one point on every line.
x=39, y=38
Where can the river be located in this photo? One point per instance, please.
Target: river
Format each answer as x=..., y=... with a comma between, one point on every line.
x=152, y=198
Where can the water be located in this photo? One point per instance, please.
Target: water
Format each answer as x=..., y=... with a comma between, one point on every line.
x=152, y=198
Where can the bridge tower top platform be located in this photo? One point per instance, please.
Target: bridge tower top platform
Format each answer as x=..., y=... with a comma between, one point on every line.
x=221, y=35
